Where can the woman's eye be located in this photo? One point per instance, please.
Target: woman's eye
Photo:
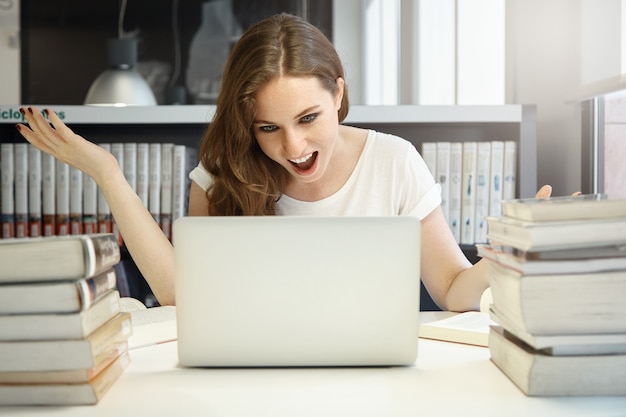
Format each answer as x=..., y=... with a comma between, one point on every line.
x=309, y=118
x=267, y=129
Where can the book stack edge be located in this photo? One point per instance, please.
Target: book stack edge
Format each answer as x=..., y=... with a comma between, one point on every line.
x=63, y=336
x=557, y=271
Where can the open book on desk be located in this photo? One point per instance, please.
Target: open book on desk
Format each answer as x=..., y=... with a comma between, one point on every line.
x=151, y=326
x=471, y=327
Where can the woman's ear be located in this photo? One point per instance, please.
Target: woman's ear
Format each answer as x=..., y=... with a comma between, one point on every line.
x=339, y=96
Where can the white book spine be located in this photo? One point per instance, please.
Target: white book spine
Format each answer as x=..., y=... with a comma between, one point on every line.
x=456, y=178
x=468, y=189
x=34, y=191
x=510, y=170
x=90, y=205
x=167, y=169
x=443, y=176
x=48, y=192
x=483, y=173
x=154, y=181
x=496, y=178
x=7, y=172
x=178, y=183
x=429, y=154
x=76, y=201
x=130, y=164
x=117, y=149
x=105, y=222
x=21, y=189
x=143, y=172
x=62, y=198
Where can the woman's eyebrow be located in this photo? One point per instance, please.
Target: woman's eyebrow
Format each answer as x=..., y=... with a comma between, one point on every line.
x=298, y=116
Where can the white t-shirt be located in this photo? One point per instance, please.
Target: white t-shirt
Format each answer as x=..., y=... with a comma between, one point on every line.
x=390, y=179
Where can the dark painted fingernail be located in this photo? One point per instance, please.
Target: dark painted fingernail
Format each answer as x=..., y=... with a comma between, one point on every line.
x=46, y=111
x=30, y=110
x=18, y=127
x=22, y=111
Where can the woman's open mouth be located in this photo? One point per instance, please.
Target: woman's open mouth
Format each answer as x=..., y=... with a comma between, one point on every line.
x=305, y=163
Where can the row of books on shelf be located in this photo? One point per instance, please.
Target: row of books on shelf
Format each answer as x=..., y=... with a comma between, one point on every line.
x=557, y=271
x=63, y=336
x=42, y=196
x=474, y=178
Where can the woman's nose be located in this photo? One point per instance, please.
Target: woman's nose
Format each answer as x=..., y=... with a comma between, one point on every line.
x=293, y=143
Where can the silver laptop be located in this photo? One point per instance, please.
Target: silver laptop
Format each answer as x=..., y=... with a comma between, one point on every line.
x=287, y=291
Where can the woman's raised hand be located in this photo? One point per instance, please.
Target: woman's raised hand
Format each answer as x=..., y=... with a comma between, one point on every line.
x=55, y=138
x=546, y=191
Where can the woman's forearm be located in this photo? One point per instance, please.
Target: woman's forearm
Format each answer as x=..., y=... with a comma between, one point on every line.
x=468, y=287
x=147, y=244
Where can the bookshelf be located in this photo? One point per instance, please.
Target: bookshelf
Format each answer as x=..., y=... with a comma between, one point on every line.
x=185, y=124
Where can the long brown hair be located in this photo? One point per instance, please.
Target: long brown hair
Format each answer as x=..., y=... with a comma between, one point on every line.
x=244, y=180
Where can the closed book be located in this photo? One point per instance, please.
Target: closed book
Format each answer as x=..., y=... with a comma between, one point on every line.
x=34, y=192
x=540, y=374
x=496, y=178
x=130, y=164
x=76, y=201
x=21, y=189
x=62, y=213
x=55, y=326
x=57, y=257
x=510, y=170
x=443, y=176
x=167, y=169
x=72, y=376
x=547, y=235
x=143, y=172
x=532, y=263
x=456, y=175
x=105, y=218
x=588, y=252
x=117, y=149
x=87, y=393
x=575, y=303
x=48, y=194
x=90, y=205
x=62, y=355
x=56, y=296
x=468, y=193
x=154, y=181
x=585, y=206
x=7, y=185
x=483, y=170
x=564, y=344
x=185, y=159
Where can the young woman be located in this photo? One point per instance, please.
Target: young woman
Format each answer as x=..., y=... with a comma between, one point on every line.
x=276, y=146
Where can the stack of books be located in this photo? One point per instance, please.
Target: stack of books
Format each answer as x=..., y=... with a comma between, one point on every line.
x=63, y=336
x=557, y=272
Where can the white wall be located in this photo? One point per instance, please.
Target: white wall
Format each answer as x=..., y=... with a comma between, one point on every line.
x=556, y=47
x=600, y=56
x=552, y=48
x=543, y=65
x=347, y=35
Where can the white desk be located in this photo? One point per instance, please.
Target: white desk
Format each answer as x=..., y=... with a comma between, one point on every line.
x=447, y=380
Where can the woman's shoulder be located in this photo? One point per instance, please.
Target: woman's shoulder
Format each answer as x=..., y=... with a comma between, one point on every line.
x=386, y=142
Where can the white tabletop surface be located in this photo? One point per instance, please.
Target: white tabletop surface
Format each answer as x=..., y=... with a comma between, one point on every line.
x=447, y=379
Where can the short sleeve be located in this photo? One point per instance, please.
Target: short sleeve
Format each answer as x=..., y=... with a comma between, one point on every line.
x=201, y=176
